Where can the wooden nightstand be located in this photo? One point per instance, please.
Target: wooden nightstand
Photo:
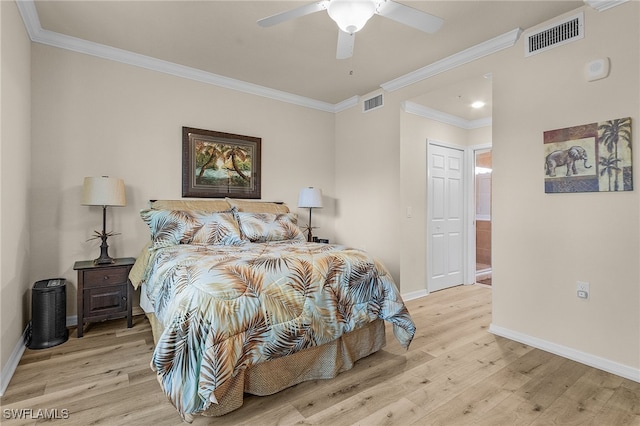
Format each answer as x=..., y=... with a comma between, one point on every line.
x=104, y=291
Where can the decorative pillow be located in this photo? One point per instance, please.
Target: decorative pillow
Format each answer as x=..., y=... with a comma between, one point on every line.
x=257, y=206
x=217, y=228
x=263, y=227
x=172, y=227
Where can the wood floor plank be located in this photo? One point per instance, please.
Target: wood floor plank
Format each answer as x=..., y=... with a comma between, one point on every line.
x=352, y=382
x=625, y=399
x=454, y=373
x=479, y=368
x=281, y=415
x=400, y=412
x=471, y=404
x=420, y=385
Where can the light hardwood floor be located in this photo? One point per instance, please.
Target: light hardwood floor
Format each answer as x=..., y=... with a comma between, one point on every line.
x=455, y=373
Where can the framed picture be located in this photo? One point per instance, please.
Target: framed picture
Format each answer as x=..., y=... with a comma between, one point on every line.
x=594, y=157
x=218, y=165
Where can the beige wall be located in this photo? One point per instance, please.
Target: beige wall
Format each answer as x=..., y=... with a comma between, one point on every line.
x=367, y=181
x=15, y=179
x=544, y=243
x=95, y=117
x=480, y=136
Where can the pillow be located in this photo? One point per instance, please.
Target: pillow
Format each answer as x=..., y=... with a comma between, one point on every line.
x=173, y=227
x=210, y=205
x=257, y=206
x=170, y=227
x=217, y=228
x=263, y=227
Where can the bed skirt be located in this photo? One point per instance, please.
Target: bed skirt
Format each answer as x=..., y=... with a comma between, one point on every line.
x=320, y=362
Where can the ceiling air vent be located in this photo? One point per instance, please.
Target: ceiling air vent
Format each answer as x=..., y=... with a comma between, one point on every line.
x=554, y=35
x=372, y=103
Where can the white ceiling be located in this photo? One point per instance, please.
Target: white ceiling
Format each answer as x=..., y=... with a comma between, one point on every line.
x=298, y=57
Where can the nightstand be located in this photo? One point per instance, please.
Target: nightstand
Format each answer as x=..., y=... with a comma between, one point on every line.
x=104, y=291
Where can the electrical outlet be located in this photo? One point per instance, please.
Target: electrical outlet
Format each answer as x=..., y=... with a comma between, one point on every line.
x=583, y=290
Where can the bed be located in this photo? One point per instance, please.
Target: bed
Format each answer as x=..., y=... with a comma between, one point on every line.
x=239, y=303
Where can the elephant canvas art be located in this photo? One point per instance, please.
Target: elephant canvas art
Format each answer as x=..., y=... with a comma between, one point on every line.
x=593, y=157
x=568, y=158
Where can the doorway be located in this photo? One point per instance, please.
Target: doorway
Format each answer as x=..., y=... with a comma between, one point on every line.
x=482, y=177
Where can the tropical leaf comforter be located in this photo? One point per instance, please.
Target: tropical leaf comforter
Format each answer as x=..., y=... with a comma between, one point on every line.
x=225, y=308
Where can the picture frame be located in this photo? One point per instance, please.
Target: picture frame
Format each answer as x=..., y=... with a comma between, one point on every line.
x=217, y=164
x=594, y=157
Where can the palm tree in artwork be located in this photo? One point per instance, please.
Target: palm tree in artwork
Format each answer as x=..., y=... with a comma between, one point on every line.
x=610, y=133
x=233, y=154
x=211, y=154
x=609, y=165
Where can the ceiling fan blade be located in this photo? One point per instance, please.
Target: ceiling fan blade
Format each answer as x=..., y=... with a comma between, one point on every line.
x=345, y=45
x=409, y=16
x=293, y=13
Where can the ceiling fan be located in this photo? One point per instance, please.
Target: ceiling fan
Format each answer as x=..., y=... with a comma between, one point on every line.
x=352, y=15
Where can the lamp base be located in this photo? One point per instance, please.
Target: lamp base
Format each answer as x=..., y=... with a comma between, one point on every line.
x=104, y=258
x=309, y=228
x=103, y=261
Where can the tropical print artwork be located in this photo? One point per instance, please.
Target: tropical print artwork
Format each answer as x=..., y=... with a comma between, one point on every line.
x=225, y=308
x=218, y=164
x=593, y=157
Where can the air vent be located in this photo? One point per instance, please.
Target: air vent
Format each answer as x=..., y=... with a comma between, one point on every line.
x=372, y=103
x=554, y=35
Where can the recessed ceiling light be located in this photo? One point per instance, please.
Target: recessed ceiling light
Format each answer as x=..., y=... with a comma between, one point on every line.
x=477, y=104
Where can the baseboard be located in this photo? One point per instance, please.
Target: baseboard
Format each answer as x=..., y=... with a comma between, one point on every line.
x=566, y=352
x=12, y=363
x=72, y=321
x=421, y=293
x=415, y=295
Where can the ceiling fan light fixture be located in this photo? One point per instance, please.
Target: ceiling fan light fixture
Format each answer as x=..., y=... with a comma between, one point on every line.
x=351, y=15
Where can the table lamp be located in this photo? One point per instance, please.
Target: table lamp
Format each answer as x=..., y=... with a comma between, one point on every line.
x=103, y=191
x=310, y=198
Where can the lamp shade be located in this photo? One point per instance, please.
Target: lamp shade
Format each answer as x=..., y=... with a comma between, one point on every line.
x=310, y=197
x=103, y=191
x=351, y=15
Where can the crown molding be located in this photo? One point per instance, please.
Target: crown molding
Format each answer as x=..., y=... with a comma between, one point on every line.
x=346, y=104
x=30, y=17
x=478, y=51
x=443, y=117
x=39, y=35
x=601, y=5
x=153, y=64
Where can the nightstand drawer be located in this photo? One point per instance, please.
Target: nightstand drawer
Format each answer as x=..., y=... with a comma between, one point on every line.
x=104, y=277
x=105, y=300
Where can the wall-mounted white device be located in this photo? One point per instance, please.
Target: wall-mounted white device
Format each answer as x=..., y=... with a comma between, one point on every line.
x=597, y=69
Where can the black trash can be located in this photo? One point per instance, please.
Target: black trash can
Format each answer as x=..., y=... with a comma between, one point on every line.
x=48, y=314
